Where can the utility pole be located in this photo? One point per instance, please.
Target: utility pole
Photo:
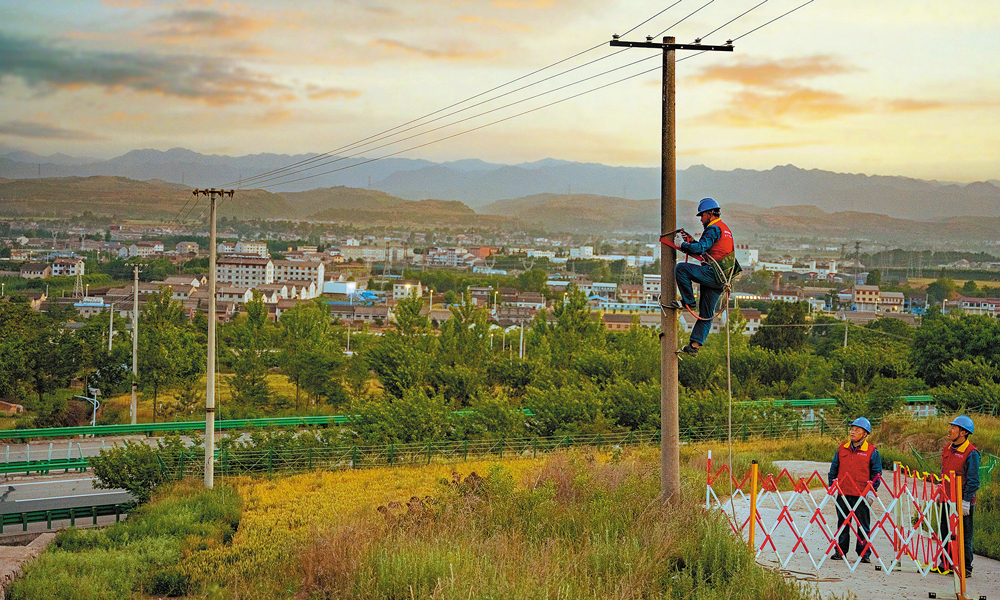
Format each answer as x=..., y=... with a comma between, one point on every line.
x=210, y=368
x=135, y=342
x=670, y=438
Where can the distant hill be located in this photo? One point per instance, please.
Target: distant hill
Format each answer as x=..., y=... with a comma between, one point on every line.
x=103, y=195
x=342, y=198
x=602, y=214
x=476, y=183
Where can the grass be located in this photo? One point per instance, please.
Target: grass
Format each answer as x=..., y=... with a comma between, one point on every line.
x=139, y=555
x=120, y=405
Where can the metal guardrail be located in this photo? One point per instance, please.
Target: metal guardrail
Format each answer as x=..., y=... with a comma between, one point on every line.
x=63, y=514
x=170, y=426
x=149, y=428
x=43, y=467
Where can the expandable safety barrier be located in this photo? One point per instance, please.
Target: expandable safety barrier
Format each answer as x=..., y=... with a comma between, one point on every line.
x=798, y=517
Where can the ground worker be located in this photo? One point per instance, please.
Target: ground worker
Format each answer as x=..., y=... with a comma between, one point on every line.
x=960, y=458
x=854, y=465
x=718, y=266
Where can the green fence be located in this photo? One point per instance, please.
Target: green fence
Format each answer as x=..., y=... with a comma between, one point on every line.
x=63, y=514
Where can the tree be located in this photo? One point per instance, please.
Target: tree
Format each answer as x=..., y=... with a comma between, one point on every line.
x=169, y=352
x=874, y=277
x=940, y=290
x=309, y=357
x=783, y=330
x=249, y=356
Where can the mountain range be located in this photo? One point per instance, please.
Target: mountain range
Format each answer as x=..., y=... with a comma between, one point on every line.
x=477, y=183
x=590, y=214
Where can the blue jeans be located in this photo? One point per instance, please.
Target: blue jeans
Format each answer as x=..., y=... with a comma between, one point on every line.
x=684, y=274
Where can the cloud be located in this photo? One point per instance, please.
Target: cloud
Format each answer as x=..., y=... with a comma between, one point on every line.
x=754, y=109
x=209, y=79
x=183, y=26
x=774, y=74
x=454, y=53
x=318, y=93
x=37, y=130
x=910, y=105
x=750, y=147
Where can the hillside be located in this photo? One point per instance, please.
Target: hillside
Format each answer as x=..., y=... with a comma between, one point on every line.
x=421, y=212
x=477, y=183
x=106, y=195
x=586, y=213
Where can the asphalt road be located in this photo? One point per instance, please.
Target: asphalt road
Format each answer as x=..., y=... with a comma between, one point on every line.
x=47, y=493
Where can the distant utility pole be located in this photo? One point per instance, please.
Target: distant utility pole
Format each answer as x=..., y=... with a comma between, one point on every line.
x=857, y=263
x=670, y=438
x=210, y=374
x=135, y=341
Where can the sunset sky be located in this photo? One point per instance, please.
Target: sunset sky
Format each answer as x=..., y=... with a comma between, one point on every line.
x=892, y=87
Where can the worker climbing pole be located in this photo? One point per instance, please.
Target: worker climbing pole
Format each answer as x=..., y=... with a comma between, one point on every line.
x=716, y=253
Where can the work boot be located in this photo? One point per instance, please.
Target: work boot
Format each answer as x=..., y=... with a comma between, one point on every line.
x=690, y=350
x=837, y=556
x=866, y=560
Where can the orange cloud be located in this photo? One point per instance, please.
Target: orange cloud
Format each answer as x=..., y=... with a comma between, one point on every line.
x=910, y=105
x=753, y=109
x=774, y=74
x=275, y=117
x=449, y=54
x=318, y=93
x=183, y=26
x=750, y=147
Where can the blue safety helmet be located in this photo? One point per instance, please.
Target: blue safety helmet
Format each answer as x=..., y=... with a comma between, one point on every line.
x=863, y=423
x=965, y=423
x=707, y=204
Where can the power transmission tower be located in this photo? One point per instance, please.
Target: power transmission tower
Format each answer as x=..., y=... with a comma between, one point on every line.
x=210, y=384
x=670, y=438
x=78, y=285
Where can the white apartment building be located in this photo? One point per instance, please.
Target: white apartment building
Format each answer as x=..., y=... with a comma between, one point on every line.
x=582, y=252
x=226, y=247
x=144, y=249
x=651, y=286
x=980, y=306
x=289, y=270
x=406, y=289
x=248, y=247
x=244, y=271
x=747, y=257
x=67, y=267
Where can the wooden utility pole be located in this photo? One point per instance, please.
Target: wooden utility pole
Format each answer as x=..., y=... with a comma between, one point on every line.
x=210, y=368
x=670, y=442
x=135, y=343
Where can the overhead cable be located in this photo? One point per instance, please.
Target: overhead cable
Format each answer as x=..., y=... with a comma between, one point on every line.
x=486, y=112
x=450, y=106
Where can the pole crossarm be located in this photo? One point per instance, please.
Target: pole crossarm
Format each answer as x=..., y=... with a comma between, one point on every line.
x=670, y=46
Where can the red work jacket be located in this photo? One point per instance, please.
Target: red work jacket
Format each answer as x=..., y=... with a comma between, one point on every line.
x=725, y=245
x=854, y=469
x=953, y=459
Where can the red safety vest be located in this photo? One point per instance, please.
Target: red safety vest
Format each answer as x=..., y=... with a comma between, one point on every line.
x=953, y=459
x=724, y=246
x=853, y=470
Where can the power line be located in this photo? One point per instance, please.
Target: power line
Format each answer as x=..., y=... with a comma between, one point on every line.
x=473, y=129
x=731, y=21
x=340, y=158
x=271, y=176
x=684, y=19
x=535, y=72
x=264, y=178
x=774, y=19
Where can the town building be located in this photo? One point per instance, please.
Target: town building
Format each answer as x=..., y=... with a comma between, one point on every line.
x=36, y=271
x=407, y=289
x=244, y=271
x=67, y=267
